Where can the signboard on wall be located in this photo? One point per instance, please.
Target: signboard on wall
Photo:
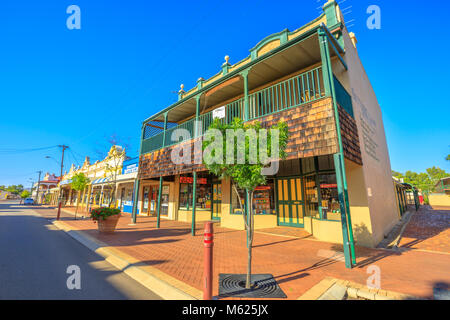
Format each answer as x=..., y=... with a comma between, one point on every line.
x=219, y=113
x=130, y=168
x=190, y=180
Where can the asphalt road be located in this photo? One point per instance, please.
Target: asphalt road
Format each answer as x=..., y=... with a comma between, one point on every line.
x=35, y=257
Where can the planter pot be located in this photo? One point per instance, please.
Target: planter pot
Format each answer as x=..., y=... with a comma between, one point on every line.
x=108, y=225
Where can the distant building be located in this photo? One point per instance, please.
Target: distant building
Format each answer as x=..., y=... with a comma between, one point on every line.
x=50, y=181
x=441, y=197
x=101, y=175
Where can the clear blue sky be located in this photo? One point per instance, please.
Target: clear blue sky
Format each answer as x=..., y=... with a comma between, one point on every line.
x=78, y=87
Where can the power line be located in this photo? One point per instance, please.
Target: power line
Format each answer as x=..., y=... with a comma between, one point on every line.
x=6, y=151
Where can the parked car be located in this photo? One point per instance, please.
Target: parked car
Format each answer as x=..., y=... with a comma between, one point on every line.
x=28, y=201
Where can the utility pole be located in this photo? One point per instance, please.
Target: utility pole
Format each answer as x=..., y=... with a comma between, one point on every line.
x=64, y=147
x=39, y=183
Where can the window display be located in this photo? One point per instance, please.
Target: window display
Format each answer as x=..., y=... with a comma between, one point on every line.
x=203, y=193
x=263, y=200
x=312, y=197
x=329, y=196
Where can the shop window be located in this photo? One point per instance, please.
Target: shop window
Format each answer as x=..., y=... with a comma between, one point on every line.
x=263, y=200
x=203, y=192
x=329, y=197
x=311, y=197
x=235, y=207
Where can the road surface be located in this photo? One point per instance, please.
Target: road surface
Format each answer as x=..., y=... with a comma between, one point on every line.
x=35, y=257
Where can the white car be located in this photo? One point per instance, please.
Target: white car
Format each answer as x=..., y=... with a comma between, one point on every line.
x=28, y=201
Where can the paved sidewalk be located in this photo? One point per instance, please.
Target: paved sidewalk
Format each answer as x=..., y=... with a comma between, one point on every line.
x=429, y=229
x=297, y=261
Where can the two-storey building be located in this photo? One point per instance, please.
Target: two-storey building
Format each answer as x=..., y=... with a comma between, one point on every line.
x=336, y=181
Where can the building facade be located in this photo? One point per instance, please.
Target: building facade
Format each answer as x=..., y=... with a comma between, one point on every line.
x=441, y=197
x=336, y=182
x=49, y=182
x=104, y=177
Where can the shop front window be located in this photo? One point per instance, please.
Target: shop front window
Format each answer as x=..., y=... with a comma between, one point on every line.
x=311, y=197
x=263, y=200
x=329, y=197
x=165, y=200
x=203, y=192
x=235, y=207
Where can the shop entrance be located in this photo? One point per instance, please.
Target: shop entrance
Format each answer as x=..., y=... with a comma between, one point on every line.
x=217, y=201
x=150, y=196
x=291, y=205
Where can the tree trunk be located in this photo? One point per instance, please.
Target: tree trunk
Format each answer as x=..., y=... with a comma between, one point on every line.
x=248, y=282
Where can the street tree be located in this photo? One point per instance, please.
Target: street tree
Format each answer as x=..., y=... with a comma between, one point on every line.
x=25, y=194
x=79, y=182
x=113, y=162
x=240, y=152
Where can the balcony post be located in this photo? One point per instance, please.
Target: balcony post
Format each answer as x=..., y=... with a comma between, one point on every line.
x=165, y=129
x=244, y=75
x=158, y=219
x=197, y=115
x=194, y=196
x=346, y=221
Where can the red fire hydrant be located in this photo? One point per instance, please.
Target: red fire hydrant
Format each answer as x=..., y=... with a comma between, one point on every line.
x=208, y=260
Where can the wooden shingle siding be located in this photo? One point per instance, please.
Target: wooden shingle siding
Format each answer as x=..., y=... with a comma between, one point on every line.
x=312, y=132
x=350, y=138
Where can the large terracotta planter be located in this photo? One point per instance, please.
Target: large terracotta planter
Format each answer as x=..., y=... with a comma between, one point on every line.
x=108, y=225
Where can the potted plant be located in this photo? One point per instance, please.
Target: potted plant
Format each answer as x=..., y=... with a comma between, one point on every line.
x=107, y=218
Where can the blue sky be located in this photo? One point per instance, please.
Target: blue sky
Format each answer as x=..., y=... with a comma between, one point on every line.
x=77, y=87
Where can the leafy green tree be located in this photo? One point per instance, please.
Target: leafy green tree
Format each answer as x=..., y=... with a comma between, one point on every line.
x=15, y=189
x=229, y=152
x=424, y=181
x=437, y=174
x=25, y=194
x=79, y=183
x=448, y=158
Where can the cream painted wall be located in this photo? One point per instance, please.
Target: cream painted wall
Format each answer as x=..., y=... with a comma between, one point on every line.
x=439, y=200
x=376, y=171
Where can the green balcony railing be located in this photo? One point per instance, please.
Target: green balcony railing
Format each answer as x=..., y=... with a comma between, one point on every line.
x=290, y=93
x=188, y=125
x=298, y=90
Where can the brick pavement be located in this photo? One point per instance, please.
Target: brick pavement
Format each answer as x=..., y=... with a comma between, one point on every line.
x=428, y=229
x=293, y=259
